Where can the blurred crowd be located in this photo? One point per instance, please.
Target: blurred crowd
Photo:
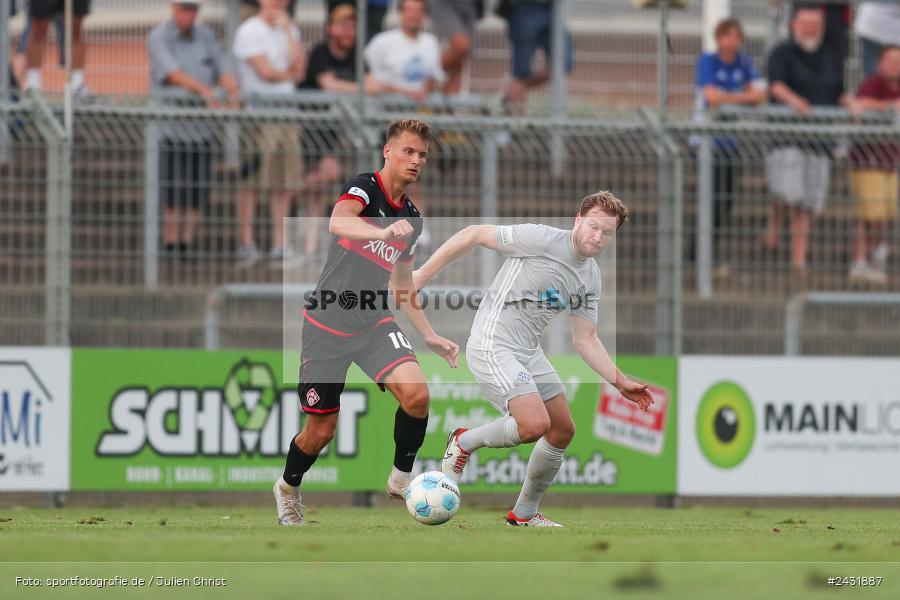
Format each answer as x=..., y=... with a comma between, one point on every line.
x=805, y=72
x=269, y=58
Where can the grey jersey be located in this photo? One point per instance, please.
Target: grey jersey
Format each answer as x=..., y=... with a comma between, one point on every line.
x=541, y=277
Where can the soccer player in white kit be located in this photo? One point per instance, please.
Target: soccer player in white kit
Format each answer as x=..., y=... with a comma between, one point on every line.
x=547, y=270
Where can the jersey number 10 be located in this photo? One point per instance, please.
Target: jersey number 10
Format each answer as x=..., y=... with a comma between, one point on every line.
x=399, y=339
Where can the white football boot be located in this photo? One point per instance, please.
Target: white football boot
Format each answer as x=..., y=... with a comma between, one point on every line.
x=287, y=500
x=455, y=458
x=397, y=484
x=538, y=520
x=394, y=493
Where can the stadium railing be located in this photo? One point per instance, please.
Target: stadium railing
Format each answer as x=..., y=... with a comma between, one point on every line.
x=113, y=284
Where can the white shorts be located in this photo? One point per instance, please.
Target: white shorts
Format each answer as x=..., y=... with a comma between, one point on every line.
x=799, y=177
x=504, y=375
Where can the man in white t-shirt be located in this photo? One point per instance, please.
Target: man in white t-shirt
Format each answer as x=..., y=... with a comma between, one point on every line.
x=271, y=62
x=878, y=25
x=406, y=60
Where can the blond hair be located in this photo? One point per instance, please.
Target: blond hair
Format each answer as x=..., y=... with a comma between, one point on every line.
x=608, y=203
x=414, y=126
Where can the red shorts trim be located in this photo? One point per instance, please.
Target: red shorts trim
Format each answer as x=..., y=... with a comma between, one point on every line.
x=317, y=411
x=332, y=331
x=352, y=197
x=390, y=367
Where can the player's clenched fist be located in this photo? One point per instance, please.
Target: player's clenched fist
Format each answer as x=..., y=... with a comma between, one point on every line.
x=397, y=231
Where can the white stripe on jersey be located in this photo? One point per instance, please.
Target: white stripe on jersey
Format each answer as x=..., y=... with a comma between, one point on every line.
x=504, y=382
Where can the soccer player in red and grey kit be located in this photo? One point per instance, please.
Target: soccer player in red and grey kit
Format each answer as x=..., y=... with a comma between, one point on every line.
x=375, y=228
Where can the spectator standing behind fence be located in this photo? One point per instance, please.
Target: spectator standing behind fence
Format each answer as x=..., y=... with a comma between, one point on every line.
x=405, y=60
x=375, y=12
x=41, y=12
x=726, y=76
x=878, y=25
x=185, y=54
x=20, y=56
x=874, y=173
x=250, y=8
x=803, y=73
x=271, y=63
x=529, y=23
x=454, y=22
x=332, y=68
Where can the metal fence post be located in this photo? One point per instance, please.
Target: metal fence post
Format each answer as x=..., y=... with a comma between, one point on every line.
x=557, y=84
x=151, y=204
x=488, y=258
x=704, y=221
x=4, y=78
x=668, y=238
x=232, y=21
x=58, y=274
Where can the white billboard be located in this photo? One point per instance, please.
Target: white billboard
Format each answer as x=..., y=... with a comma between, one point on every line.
x=788, y=426
x=35, y=401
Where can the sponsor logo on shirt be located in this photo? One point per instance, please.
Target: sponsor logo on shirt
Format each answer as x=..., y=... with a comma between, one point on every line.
x=384, y=254
x=360, y=193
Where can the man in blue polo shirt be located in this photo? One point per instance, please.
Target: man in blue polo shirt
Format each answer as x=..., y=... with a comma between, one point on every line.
x=726, y=76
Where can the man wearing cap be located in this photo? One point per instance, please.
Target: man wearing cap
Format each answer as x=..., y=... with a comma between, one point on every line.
x=185, y=54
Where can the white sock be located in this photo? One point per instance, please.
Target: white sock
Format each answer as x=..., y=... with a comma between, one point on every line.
x=77, y=79
x=33, y=79
x=542, y=468
x=399, y=479
x=502, y=433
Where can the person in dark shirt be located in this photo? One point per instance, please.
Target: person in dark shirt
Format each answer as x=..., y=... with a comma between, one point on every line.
x=873, y=177
x=803, y=72
x=331, y=68
x=332, y=63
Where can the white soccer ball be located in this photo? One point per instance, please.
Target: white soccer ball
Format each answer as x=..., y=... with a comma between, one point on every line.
x=432, y=498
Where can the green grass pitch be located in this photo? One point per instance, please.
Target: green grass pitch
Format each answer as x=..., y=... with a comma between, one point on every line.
x=694, y=552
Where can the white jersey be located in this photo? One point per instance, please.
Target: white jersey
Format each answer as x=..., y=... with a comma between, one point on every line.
x=541, y=277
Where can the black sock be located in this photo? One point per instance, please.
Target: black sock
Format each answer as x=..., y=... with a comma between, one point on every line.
x=298, y=462
x=409, y=433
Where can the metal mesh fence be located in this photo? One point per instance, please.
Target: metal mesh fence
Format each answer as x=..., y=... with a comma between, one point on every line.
x=132, y=284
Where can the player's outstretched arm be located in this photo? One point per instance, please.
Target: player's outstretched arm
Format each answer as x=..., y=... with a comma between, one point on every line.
x=345, y=223
x=402, y=285
x=458, y=245
x=591, y=349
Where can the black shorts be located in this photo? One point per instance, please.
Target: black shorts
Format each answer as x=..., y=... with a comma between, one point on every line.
x=326, y=357
x=44, y=9
x=185, y=172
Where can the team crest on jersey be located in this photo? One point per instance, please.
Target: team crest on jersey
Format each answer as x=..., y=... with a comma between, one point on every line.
x=359, y=193
x=312, y=398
